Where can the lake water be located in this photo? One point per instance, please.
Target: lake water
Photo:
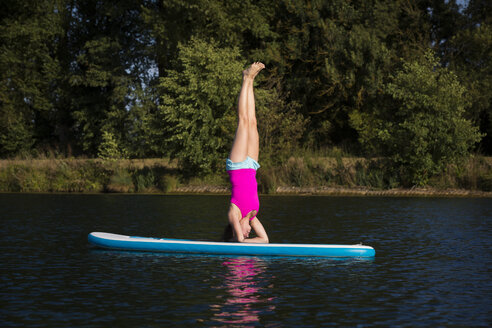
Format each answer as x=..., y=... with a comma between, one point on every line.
x=432, y=266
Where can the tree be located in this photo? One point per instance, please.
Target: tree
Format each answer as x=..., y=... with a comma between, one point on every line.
x=199, y=109
x=243, y=24
x=29, y=72
x=108, y=65
x=198, y=105
x=72, y=69
x=422, y=129
x=109, y=149
x=280, y=124
x=469, y=53
x=334, y=57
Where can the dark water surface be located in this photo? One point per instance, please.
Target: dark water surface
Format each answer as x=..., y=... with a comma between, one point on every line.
x=432, y=266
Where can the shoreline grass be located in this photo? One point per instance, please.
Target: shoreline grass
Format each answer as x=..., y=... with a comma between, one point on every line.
x=304, y=175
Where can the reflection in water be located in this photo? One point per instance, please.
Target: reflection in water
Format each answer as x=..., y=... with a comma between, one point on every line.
x=246, y=286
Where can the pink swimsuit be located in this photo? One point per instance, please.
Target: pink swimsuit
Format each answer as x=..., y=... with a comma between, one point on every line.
x=244, y=190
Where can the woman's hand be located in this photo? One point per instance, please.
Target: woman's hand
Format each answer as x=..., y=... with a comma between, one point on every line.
x=241, y=227
x=247, y=224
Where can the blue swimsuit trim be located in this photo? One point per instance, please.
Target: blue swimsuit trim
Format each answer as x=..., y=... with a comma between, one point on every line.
x=248, y=163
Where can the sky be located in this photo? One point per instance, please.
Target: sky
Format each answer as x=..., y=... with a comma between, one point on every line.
x=463, y=3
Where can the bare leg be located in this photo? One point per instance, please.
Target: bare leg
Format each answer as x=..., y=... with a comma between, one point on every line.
x=239, y=149
x=246, y=139
x=253, y=138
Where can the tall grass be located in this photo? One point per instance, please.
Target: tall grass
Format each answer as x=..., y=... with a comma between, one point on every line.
x=72, y=175
x=373, y=174
x=162, y=175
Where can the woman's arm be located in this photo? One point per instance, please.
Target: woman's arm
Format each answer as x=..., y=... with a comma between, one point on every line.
x=234, y=220
x=261, y=235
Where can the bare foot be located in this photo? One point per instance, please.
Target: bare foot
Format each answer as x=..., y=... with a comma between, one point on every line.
x=253, y=70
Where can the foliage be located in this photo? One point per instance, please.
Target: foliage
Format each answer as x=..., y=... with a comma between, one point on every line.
x=422, y=128
x=107, y=70
x=109, y=149
x=15, y=133
x=159, y=176
x=120, y=181
x=280, y=125
x=168, y=183
x=72, y=69
x=198, y=105
x=28, y=73
x=144, y=179
x=335, y=55
x=470, y=56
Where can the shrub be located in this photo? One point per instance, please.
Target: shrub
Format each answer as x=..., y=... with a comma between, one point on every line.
x=198, y=105
x=168, y=183
x=120, y=181
x=109, y=149
x=267, y=180
x=422, y=129
x=144, y=180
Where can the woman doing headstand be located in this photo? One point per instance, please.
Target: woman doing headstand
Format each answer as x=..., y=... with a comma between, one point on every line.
x=242, y=165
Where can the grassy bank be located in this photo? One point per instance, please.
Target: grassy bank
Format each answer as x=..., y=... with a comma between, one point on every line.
x=318, y=175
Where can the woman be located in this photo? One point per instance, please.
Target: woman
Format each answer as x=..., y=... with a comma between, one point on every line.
x=241, y=167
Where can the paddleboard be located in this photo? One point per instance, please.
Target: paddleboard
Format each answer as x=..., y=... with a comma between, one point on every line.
x=122, y=242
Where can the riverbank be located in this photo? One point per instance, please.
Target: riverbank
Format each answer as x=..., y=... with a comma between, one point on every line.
x=334, y=191
x=302, y=176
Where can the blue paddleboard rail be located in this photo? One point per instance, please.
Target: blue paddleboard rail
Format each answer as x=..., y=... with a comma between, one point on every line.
x=149, y=244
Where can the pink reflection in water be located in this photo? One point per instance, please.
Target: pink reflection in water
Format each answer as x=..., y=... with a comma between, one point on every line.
x=245, y=285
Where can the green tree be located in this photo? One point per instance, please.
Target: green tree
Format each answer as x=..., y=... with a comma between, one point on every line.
x=199, y=109
x=140, y=127
x=29, y=72
x=109, y=149
x=280, y=125
x=197, y=112
x=334, y=57
x=109, y=67
x=422, y=129
x=71, y=69
x=243, y=24
x=469, y=53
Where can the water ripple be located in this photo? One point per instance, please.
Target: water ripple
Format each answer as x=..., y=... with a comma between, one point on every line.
x=432, y=264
